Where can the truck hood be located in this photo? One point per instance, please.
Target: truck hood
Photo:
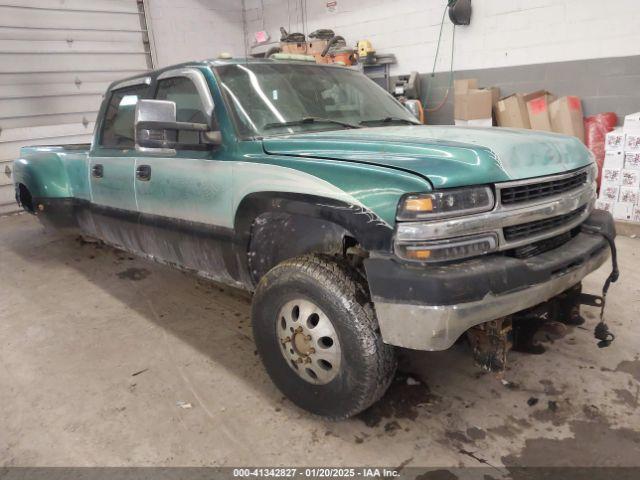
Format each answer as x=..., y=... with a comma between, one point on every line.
x=447, y=156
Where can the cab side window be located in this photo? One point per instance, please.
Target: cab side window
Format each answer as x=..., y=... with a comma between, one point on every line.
x=117, y=130
x=189, y=108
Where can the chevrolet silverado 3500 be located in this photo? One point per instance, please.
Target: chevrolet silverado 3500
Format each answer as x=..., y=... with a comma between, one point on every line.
x=357, y=228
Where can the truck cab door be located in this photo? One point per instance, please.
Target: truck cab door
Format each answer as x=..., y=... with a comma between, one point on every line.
x=112, y=167
x=184, y=199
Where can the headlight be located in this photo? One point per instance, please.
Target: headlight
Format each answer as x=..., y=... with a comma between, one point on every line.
x=449, y=249
x=445, y=203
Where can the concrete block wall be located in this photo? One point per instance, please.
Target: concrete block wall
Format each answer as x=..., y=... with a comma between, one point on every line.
x=502, y=32
x=185, y=30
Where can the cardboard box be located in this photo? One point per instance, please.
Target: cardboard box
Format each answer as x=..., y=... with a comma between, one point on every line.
x=632, y=142
x=611, y=176
x=604, y=205
x=623, y=211
x=480, y=122
x=474, y=104
x=628, y=194
x=614, y=140
x=464, y=85
x=630, y=178
x=495, y=95
x=471, y=102
x=538, y=108
x=512, y=112
x=566, y=116
x=632, y=124
x=609, y=192
x=614, y=160
x=632, y=161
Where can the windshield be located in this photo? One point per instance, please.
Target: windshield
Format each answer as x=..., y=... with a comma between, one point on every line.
x=284, y=98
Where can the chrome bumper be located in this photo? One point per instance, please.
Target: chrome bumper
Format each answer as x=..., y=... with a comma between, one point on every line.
x=431, y=327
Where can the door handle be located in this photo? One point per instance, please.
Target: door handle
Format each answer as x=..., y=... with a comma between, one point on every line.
x=97, y=170
x=143, y=173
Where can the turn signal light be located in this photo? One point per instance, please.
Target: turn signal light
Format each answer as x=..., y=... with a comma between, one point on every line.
x=418, y=254
x=448, y=250
x=419, y=204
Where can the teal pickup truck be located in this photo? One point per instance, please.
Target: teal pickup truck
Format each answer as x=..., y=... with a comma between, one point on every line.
x=357, y=229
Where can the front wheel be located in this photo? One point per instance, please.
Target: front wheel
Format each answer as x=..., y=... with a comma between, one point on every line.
x=317, y=335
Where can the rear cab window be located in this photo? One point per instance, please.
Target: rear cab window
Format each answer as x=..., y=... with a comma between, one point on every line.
x=118, y=129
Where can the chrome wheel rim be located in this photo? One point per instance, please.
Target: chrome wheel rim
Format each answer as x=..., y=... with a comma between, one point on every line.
x=308, y=341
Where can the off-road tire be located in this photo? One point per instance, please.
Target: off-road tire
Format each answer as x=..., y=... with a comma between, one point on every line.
x=367, y=364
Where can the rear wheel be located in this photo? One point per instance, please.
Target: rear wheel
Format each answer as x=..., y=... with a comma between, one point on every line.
x=317, y=335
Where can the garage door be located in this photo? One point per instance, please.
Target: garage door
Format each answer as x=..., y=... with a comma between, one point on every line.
x=56, y=59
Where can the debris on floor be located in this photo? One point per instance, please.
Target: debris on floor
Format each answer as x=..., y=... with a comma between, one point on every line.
x=412, y=381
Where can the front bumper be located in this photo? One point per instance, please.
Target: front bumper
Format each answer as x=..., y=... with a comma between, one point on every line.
x=428, y=308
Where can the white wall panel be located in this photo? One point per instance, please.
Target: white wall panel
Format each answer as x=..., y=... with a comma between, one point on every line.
x=502, y=32
x=186, y=30
x=29, y=134
x=7, y=198
x=17, y=33
x=71, y=77
x=80, y=62
x=57, y=58
x=51, y=90
x=72, y=46
x=31, y=106
x=7, y=148
x=124, y=6
x=12, y=16
x=44, y=119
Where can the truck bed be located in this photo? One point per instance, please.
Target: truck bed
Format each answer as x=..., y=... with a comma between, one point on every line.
x=53, y=171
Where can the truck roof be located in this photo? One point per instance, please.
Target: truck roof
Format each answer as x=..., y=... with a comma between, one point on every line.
x=214, y=62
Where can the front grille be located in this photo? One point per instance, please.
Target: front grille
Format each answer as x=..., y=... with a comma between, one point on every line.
x=535, y=191
x=524, y=230
x=533, y=249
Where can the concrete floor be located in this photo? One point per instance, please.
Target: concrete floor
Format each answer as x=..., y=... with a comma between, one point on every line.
x=98, y=347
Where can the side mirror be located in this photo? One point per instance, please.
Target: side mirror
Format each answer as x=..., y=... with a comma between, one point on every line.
x=156, y=129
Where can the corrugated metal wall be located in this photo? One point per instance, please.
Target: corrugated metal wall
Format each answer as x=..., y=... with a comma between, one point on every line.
x=56, y=59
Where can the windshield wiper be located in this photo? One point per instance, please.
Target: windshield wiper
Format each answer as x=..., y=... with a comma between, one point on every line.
x=308, y=120
x=389, y=120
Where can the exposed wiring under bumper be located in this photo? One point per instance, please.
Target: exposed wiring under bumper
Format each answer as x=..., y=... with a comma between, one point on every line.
x=601, y=331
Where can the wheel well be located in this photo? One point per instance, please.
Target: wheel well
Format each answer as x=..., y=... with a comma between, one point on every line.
x=24, y=198
x=276, y=226
x=279, y=236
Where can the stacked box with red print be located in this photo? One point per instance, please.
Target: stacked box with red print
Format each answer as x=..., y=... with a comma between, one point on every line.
x=620, y=181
